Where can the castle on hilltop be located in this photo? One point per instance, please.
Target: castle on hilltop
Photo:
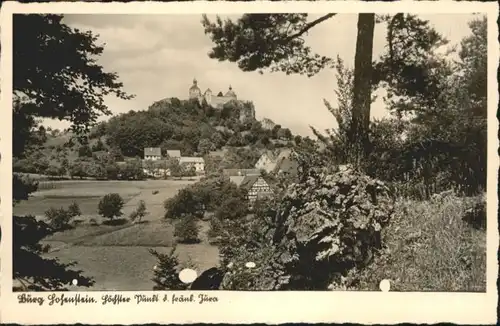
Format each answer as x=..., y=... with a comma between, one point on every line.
x=247, y=110
x=216, y=101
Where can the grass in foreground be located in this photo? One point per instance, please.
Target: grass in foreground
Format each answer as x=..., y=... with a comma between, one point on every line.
x=153, y=234
x=430, y=248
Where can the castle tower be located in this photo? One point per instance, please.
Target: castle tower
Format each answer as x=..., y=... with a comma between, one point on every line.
x=231, y=93
x=208, y=96
x=194, y=91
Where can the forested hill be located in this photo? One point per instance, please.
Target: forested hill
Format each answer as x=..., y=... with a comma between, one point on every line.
x=188, y=126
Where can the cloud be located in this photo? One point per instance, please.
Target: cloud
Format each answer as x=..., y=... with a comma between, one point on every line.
x=157, y=56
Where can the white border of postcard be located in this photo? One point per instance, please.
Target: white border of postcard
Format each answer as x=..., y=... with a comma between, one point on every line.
x=252, y=307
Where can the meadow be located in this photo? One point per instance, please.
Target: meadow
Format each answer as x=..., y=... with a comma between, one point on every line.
x=116, y=255
x=428, y=246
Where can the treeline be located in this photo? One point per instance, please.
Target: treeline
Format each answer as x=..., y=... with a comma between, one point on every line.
x=84, y=168
x=436, y=137
x=188, y=126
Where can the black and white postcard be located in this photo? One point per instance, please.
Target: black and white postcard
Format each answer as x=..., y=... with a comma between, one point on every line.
x=249, y=162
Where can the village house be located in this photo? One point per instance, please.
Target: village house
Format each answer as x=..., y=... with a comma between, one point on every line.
x=268, y=161
x=254, y=186
x=197, y=162
x=152, y=153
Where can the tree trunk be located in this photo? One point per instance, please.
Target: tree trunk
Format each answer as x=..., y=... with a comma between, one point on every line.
x=362, y=84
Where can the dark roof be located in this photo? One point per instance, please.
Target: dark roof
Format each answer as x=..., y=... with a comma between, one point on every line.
x=249, y=181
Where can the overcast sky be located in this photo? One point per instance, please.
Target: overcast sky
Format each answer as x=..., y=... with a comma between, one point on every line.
x=157, y=56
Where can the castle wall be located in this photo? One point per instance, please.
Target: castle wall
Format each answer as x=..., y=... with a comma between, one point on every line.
x=220, y=100
x=216, y=101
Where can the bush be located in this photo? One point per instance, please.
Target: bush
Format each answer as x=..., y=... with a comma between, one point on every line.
x=266, y=275
x=58, y=218
x=139, y=212
x=187, y=202
x=331, y=223
x=110, y=206
x=93, y=222
x=206, y=195
x=215, y=230
x=232, y=208
x=74, y=210
x=228, y=221
x=186, y=230
x=166, y=271
x=154, y=192
x=323, y=228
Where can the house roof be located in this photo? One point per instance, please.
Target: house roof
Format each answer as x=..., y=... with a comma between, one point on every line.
x=249, y=181
x=237, y=179
x=276, y=157
x=191, y=159
x=284, y=153
x=287, y=165
x=152, y=151
x=270, y=155
x=173, y=153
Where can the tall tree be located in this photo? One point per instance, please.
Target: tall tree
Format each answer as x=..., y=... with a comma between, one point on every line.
x=275, y=41
x=55, y=69
x=362, y=82
x=442, y=101
x=56, y=75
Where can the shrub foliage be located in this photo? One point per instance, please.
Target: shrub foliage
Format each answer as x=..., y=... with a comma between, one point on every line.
x=186, y=230
x=111, y=205
x=322, y=229
x=58, y=218
x=139, y=212
x=166, y=271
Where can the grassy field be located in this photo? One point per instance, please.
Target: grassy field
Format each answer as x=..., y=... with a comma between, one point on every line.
x=87, y=194
x=430, y=248
x=129, y=268
x=116, y=256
